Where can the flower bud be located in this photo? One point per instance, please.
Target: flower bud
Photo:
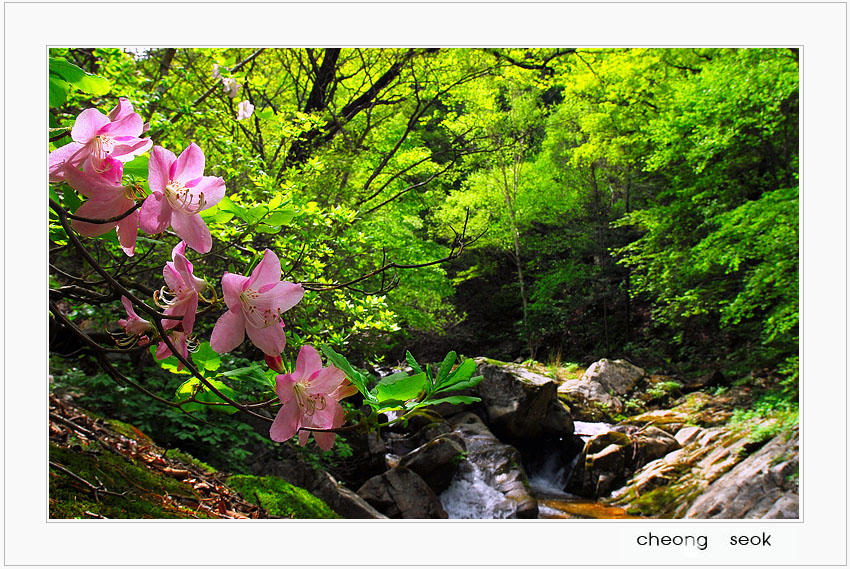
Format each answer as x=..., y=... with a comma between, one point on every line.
x=275, y=363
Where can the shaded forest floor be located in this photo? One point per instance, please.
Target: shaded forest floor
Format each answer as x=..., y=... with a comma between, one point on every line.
x=102, y=469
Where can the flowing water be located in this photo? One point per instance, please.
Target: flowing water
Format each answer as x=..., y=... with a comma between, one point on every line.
x=469, y=497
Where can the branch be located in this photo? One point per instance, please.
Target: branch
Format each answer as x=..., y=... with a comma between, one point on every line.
x=102, y=221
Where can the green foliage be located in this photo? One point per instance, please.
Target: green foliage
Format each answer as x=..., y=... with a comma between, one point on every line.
x=279, y=498
x=214, y=437
x=770, y=415
x=408, y=392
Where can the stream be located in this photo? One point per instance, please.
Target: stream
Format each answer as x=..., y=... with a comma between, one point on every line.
x=469, y=497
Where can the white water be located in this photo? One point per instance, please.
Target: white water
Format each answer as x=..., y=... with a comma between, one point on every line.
x=469, y=497
x=588, y=430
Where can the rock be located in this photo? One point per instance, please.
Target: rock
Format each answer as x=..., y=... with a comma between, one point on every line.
x=401, y=493
x=521, y=405
x=609, y=459
x=436, y=461
x=687, y=434
x=589, y=400
x=403, y=443
x=617, y=376
x=602, y=465
x=713, y=379
x=762, y=485
x=324, y=486
x=669, y=420
x=650, y=444
x=498, y=464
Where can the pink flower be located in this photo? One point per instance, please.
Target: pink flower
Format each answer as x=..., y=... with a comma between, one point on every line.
x=216, y=73
x=184, y=286
x=180, y=340
x=97, y=137
x=133, y=325
x=179, y=191
x=107, y=199
x=231, y=87
x=245, y=110
x=275, y=363
x=256, y=304
x=310, y=399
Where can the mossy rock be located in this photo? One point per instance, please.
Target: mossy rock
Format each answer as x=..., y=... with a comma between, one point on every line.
x=279, y=498
x=142, y=488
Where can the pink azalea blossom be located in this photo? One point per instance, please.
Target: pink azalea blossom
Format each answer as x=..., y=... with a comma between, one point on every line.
x=179, y=191
x=180, y=339
x=245, y=110
x=133, y=324
x=107, y=199
x=216, y=73
x=97, y=137
x=310, y=397
x=184, y=286
x=256, y=304
x=231, y=87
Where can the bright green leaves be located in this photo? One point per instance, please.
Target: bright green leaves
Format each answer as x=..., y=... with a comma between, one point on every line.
x=65, y=76
x=403, y=392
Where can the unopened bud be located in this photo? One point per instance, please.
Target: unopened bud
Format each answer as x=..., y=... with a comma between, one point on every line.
x=275, y=363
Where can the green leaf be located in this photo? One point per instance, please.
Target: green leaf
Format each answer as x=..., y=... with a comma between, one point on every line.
x=356, y=378
x=58, y=91
x=463, y=372
x=266, y=114
x=445, y=368
x=85, y=82
x=411, y=361
x=280, y=217
x=205, y=358
x=71, y=199
x=464, y=384
x=256, y=213
x=400, y=386
x=138, y=167
x=270, y=229
x=454, y=400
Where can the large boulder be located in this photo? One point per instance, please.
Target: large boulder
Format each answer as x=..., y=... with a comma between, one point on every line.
x=609, y=459
x=521, y=405
x=436, y=461
x=497, y=464
x=589, y=400
x=616, y=376
x=401, y=493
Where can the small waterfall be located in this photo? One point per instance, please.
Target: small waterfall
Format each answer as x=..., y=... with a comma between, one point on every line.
x=469, y=497
x=551, y=475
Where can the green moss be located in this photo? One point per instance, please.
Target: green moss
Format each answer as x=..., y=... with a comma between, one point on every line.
x=127, y=430
x=188, y=459
x=663, y=501
x=143, y=488
x=280, y=498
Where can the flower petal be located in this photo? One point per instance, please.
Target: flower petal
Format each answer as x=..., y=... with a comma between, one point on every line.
x=65, y=158
x=271, y=339
x=193, y=230
x=98, y=209
x=326, y=381
x=281, y=298
x=283, y=387
x=229, y=332
x=266, y=272
x=190, y=164
x=128, y=125
x=213, y=189
x=129, y=149
x=122, y=109
x=232, y=285
x=159, y=166
x=286, y=423
x=87, y=125
x=127, y=230
x=155, y=214
x=309, y=362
